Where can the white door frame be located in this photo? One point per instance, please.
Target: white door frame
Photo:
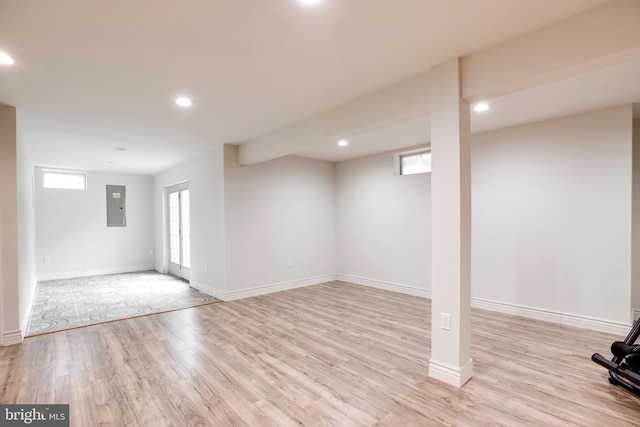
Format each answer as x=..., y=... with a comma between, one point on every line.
x=177, y=269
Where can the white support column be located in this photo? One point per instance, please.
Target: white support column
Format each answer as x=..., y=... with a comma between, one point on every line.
x=9, y=290
x=451, y=227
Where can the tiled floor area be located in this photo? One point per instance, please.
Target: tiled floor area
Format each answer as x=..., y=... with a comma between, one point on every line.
x=70, y=303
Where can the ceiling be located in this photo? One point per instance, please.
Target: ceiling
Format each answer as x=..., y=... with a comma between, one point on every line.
x=603, y=88
x=94, y=78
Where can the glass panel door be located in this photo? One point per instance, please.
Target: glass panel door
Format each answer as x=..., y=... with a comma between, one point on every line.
x=185, y=235
x=179, y=230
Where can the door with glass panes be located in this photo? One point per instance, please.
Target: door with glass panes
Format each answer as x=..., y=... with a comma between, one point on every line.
x=179, y=230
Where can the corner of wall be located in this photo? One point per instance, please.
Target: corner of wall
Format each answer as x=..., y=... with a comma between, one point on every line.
x=1, y=319
x=205, y=175
x=208, y=289
x=27, y=265
x=635, y=219
x=231, y=156
x=9, y=225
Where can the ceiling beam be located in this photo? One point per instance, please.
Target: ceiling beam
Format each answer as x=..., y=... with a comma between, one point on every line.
x=594, y=39
x=398, y=103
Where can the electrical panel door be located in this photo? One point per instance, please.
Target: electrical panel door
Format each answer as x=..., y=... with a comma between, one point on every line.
x=116, y=206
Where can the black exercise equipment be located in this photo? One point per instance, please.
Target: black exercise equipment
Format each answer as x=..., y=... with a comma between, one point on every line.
x=624, y=367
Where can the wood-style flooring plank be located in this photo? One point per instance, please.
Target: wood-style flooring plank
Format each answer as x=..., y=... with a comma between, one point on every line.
x=331, y=354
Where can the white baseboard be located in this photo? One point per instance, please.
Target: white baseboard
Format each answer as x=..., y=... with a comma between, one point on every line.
x=608, y=326
x=97, y=272
x=517, y=310
x=387, y=286
x=207, y=289
x=453, y=375
x=12, y=338
x=277, y=287
x=585, y=322
x=635, y=314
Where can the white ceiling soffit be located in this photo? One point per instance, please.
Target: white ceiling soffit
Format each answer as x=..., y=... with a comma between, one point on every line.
x=94, y=76
x=395, y=137
x=540, y=80
x=394, y=105
x=603, y=88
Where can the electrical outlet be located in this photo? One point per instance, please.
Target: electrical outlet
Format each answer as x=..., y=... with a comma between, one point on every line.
x=150, y=251
x=445, y=321
x=47, y=258
x=290, y=264
x=206, y=267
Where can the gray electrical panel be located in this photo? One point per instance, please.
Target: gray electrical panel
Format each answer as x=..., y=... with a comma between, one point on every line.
x=116, y=206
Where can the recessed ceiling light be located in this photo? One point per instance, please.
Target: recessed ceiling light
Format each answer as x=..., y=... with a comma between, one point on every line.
x=6, y=59
x=310, y=1
x=343, y=143
x=481, y=107
x=121, y=149
x=183, y=101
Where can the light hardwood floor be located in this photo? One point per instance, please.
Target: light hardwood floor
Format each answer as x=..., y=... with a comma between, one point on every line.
x=332, y=354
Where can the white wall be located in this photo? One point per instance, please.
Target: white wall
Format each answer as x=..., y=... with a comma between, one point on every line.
x=551, y=221
x=72, y=228
x=206, y=196
x=276, y=211
x=552, y=215
x=635, y=251
x=9, y=304
x=383, y=225
x=27, y=272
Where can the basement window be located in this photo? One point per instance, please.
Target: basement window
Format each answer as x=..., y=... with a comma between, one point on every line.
x=415, y=162
x=65, y=179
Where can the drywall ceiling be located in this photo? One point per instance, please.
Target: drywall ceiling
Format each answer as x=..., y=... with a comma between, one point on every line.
x=95, y=77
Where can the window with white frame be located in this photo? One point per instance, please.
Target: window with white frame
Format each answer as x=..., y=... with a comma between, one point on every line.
x=415, y=162
x=64, y=179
